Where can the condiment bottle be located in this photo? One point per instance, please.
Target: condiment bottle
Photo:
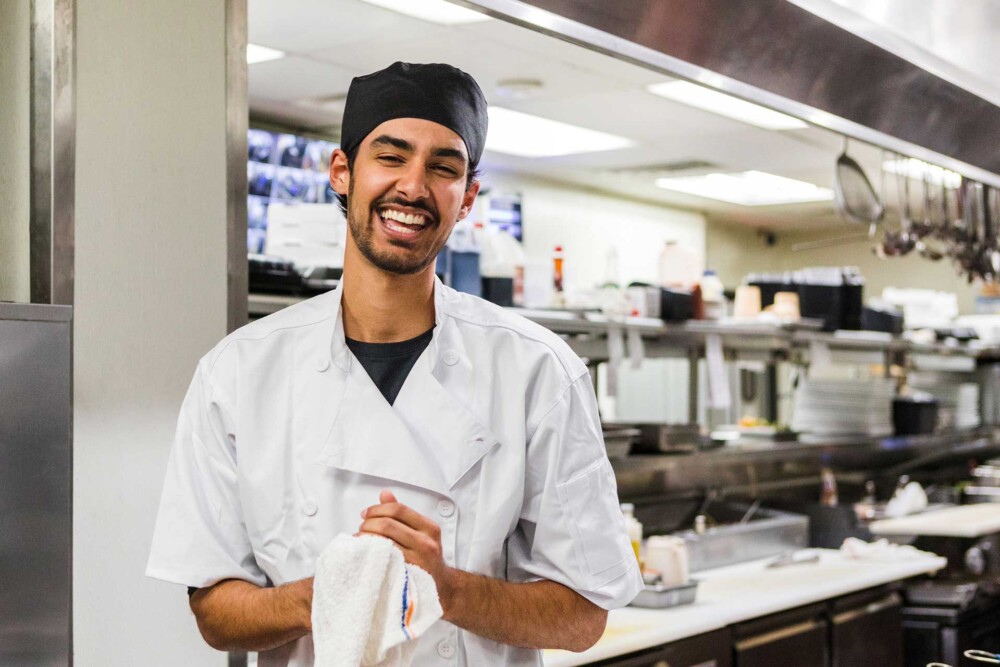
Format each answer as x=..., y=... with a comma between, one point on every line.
x=634, y=529
x=557, y=269
x=828, y=488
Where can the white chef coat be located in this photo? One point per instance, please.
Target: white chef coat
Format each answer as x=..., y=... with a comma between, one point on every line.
x=283, y=439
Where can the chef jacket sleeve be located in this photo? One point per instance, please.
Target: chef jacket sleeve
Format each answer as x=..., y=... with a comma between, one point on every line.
x=200, y=537
x=571, y=529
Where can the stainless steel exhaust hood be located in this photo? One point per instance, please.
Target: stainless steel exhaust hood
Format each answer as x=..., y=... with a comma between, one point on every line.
x=779, y=55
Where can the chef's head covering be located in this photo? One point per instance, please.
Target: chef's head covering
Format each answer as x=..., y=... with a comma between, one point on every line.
x=439, y=93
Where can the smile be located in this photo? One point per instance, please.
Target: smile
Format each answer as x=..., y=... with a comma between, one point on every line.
x=404, y=224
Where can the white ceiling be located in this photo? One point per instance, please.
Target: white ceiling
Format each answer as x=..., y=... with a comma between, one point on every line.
x=331, y=41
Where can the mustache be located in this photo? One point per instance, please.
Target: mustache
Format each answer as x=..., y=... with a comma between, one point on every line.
x=399, y=201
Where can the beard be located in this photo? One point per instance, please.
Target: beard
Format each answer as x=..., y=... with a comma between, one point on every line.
x=361, y=223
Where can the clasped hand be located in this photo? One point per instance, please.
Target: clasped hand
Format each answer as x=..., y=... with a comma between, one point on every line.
x=418, y=537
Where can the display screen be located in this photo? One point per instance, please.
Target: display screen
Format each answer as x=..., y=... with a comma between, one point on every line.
x=283, y=168
x=505, y=213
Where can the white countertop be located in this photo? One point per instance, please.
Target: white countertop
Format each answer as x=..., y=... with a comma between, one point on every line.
x=962, y=521
x=738, y=593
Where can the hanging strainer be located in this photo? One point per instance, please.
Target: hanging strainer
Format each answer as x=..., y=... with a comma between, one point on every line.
x=854, y=196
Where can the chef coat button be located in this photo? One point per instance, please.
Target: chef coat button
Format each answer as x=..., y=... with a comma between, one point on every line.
x=446, y=508
x=451, y=357
x=446, y=649
x=322, y=364
x=310, y=507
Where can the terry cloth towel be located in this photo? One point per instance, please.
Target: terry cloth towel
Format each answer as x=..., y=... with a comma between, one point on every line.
x=369, y=605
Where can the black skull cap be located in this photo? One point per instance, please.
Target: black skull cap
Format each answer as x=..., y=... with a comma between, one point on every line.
x=436, y=92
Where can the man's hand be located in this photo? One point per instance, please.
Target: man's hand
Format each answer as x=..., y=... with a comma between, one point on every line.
x=540, y=614
x=418, y=537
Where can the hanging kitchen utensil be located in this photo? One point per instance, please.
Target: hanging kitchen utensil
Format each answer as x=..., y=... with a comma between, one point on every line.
x=854, y=197
x=854, y=200
x=989, y=256
x=897, y=243
x=927, y=226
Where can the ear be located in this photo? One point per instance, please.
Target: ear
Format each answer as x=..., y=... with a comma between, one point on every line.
x=340, y=173
x=467, y=199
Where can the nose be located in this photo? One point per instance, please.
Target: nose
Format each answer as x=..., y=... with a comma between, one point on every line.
x=412, y=183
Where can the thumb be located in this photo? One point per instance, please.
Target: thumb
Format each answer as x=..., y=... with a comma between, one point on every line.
x=385, y=496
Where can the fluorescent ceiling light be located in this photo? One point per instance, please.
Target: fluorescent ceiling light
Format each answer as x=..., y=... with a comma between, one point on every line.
x=725, y=105
x=914, y=168
x=261, y=54
x=436, y=11
x=748, y=188
x=522, y=134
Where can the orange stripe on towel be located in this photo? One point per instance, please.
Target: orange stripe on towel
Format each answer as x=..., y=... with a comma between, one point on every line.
x=409, y=612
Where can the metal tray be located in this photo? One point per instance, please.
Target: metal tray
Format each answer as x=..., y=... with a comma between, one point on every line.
x=658, y=596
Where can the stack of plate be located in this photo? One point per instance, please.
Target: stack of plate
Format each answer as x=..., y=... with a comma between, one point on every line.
x=959, y=402
x=844, y=407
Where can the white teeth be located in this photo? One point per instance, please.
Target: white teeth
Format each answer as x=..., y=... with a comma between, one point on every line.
x=408, y=219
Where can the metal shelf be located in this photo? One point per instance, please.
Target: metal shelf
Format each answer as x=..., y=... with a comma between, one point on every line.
x=587, y=332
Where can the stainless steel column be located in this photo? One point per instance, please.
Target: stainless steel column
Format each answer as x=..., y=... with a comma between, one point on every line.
x=36, y=477
x=53, y=150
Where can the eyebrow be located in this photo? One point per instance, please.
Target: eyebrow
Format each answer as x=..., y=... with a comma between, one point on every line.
x=404, y=145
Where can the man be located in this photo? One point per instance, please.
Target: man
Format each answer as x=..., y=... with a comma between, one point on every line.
x=395, y=406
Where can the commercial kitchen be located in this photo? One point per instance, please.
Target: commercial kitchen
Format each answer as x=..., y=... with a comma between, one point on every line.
x=768, y=229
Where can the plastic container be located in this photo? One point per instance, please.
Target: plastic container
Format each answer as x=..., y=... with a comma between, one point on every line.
x=679, y=266
x=712, y=295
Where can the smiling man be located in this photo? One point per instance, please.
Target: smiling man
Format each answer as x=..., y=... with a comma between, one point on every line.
x=395, y=406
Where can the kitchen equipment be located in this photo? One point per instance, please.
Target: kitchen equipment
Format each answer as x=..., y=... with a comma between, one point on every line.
x=618, y=441
x=319, y=279
x=959, y=521
x=273, y=275
x=644, y=300
x=854, y=196
x=844, y=407
x=747, y=302
x=498, y=290
x=769, y=532
x=914, y=415
x=667, y=555
x=790, y=558
x=656, y=438
x=786, y=305
x=676, y=305
x=659, y=596
x=882, y=318
x=36, y=509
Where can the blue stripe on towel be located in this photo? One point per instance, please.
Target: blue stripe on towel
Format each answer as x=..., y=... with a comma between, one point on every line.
x=406, y=603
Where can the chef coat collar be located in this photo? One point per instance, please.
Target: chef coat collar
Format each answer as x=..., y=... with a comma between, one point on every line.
x=341, y=354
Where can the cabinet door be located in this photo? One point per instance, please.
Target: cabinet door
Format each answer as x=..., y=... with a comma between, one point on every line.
x=712, y=649
x=803, y=644
x=871, y=634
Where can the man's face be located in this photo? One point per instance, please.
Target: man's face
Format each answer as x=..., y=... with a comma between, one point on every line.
x=405, y=193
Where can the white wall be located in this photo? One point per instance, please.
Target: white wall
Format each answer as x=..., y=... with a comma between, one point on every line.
x=15, y=89
x=150, y=299
x=587, y=223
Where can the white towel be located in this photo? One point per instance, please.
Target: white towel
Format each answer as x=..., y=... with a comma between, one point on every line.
x=369, y=605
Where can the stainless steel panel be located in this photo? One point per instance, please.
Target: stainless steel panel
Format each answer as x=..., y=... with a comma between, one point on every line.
x=36, y=474
x=776, y=54
x=53, y=150
x=237, y=119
